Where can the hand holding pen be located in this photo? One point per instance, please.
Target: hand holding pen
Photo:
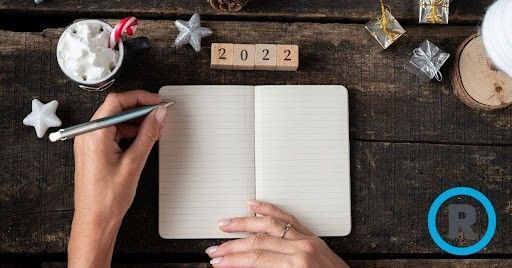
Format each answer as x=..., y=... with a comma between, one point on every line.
x=95, y=124
x=106, y=177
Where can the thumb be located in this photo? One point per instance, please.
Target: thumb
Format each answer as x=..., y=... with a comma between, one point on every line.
x=149, y=132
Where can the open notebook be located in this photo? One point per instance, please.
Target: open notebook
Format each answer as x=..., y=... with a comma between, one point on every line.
x=225, y=145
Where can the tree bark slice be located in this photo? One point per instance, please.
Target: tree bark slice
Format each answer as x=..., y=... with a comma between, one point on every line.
x=476, y=82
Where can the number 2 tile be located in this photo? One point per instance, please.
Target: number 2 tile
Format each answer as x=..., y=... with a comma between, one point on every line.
x=287, y=57
x=265, y=58
x=222, y=56
x=243, y=57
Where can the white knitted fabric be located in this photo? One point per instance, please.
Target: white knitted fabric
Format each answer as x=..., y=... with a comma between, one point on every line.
x=497, y=34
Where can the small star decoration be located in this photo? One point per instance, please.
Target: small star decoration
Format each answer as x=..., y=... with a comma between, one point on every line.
x=191, y=32
x=42, y=117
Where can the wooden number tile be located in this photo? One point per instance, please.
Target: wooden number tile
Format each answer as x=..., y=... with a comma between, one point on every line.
x=265, y=58
x=222, y=56
x=243, y=57
x=287, y=57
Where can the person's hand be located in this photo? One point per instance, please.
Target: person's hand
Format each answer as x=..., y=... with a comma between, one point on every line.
x=265, y=248
x=106, y=177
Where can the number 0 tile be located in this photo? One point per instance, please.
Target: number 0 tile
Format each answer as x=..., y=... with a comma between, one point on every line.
x=243, y=57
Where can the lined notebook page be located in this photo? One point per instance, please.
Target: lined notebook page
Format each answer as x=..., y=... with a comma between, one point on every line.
x=206, y=159
x=302, y=154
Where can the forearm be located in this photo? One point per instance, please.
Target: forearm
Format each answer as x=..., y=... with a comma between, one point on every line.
x=106, y=177
x=92, y=242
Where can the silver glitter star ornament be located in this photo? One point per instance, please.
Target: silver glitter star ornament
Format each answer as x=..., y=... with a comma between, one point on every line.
x=42, y=117
x=191, y=32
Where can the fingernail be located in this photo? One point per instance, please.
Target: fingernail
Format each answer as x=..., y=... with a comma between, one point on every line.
x=160, y=114
x=254, y=203
x=212, y=249
x=223, y=222
x=216, y=260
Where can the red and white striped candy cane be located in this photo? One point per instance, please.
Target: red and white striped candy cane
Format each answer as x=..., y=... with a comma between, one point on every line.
x=127, y=25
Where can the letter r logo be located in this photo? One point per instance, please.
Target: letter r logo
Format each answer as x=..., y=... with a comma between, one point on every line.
x=461, y=217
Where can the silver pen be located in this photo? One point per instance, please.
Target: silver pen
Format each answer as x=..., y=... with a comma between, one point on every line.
x=90, y=126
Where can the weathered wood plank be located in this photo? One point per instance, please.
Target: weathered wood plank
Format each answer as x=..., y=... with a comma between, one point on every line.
x=402, y=263
x=359, y=10
x=387, y=103
x=434, y=263
x=20, y=265
x=133, y=265
x=393, y=186
x=393, y=183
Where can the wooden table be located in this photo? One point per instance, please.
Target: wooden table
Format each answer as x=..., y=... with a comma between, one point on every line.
x=409, y=141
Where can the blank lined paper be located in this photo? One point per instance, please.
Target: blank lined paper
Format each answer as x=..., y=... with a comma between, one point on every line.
x=225, y=145
x=206, y=159
x=302, y=154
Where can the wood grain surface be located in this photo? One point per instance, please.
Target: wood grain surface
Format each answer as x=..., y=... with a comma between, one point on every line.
x=290, y=10
x=397, y=263
x=393, y=185
x=388, y=104
x=409, y=141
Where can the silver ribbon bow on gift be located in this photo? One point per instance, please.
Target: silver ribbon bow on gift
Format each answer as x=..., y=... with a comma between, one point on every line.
x=428, y=60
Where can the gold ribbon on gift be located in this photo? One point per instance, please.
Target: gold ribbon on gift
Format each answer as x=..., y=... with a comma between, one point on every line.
x=391, y=35
x=434, y=16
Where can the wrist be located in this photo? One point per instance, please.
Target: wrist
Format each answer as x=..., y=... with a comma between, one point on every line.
x=96, y=221
x=92, y=240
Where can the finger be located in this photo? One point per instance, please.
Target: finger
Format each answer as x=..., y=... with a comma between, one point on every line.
x=126, y=131
x=253, y=258
x=266, y=224
x=268, y=209
x=253, y=242
x=117, y=102
x=148, y=134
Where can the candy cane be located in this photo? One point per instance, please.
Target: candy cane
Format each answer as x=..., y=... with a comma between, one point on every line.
x=127, y=25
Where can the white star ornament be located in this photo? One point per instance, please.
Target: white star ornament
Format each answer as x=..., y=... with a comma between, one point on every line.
x=42, y=117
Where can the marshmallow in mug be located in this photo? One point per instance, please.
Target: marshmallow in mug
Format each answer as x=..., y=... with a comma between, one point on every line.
x=84, y=52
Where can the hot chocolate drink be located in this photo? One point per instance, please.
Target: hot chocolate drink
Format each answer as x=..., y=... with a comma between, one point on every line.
x=83, y=52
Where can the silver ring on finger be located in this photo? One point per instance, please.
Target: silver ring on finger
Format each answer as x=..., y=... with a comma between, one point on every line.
x=285, y=230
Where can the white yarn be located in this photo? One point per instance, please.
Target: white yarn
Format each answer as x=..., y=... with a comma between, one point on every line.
x=497, y=34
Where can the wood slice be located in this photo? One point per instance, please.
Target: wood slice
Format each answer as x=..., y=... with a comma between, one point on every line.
x=476, y=81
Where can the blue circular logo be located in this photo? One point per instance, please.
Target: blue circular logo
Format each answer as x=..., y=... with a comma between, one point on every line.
x=491, y=221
